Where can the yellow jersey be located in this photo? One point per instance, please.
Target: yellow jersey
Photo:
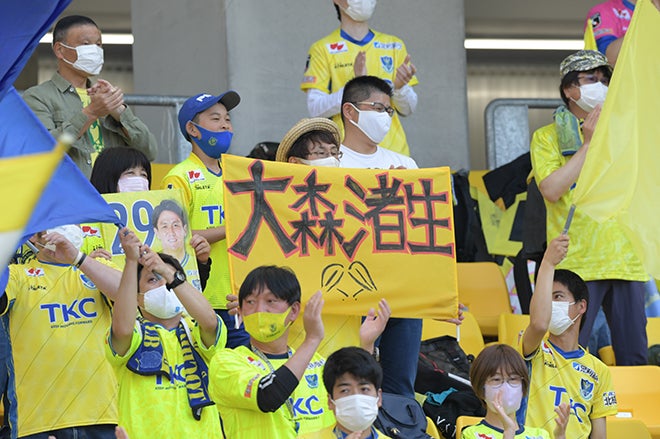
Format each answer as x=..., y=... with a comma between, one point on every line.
x=150, y=406
x=330, y=67
x=57, y=320
x=577, y=378
x=203, y=193
x=234, y=385
x=598, y=250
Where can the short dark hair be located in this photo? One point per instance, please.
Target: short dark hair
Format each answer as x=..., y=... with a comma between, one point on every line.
x=169, y=260
x=65, y=23
x=571, y=78
x=170, y=206
x=361, y=87
x=575, y=285
x=112, y=162
x=300, y=147
x=281, y=281
x=355, y=361
x=490, y=361
x=264, y=151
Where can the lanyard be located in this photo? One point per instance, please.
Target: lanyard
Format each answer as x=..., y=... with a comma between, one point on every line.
x=288, y=402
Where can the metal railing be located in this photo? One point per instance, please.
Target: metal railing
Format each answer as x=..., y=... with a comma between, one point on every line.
x=507, y=128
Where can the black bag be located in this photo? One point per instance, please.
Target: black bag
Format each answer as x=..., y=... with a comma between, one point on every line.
x=459, y=403
x=442, y=366
x=401, y=417
x=470, y=240
x=446, y=354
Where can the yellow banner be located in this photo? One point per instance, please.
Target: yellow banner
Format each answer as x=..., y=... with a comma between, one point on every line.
x=620, y=176
x=155, y=217
x=358, y=235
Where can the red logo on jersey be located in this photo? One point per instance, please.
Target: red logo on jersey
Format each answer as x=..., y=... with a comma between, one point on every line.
x=34, y=272
x=484, y=436
x=195, y=175
x=337, y=47
x=90, y=231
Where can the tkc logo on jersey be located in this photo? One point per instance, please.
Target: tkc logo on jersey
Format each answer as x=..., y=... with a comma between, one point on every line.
x=574, y=405
x=77, y=310
x=337, y=47
x=307, y=406
x=195, y=175
x=216, y=214
x=34, y=272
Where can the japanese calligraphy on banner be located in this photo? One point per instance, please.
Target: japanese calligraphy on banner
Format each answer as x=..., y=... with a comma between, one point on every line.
x=358, y=235
x=158, y=218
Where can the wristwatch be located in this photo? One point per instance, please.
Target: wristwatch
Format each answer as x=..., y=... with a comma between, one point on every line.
x=179, y=278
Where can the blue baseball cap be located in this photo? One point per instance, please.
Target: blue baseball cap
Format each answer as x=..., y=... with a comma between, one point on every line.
x=203, y=101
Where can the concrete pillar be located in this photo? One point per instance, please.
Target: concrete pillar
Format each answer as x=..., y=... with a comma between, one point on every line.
x=259, y=48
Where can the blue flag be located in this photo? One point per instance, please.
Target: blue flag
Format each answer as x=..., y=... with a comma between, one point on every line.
x=68, y=198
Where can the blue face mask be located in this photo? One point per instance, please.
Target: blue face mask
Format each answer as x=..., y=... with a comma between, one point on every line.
x=214, y=143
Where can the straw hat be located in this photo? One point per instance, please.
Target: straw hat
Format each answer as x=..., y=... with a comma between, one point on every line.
x=304, y=126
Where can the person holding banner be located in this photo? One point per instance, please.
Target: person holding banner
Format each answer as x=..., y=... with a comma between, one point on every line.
x=204, y=121
x=59, y=307
x=600, y=253
x=367, y=113
x=95, y=114
x=161, y=360
x=123, y=170
x=260, y=390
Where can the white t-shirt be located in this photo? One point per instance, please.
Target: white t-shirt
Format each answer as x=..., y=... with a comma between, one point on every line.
x=381, y=159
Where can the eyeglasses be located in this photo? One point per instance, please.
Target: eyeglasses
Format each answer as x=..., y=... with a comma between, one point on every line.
x=497, y=381
x=592, y=79
x=323, y=153
x=377, y=106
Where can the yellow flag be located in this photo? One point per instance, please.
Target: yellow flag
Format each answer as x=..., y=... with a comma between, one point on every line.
x=589, y=38
x=358, y=235
x=620, y=177
x=22, y=180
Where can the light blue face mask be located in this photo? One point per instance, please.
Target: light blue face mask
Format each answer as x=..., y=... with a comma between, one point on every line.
x=213, y=143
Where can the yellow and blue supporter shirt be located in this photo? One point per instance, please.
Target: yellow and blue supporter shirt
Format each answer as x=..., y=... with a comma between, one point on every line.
x=153, y=407
x=577, y=378
x=330, y=67
x=234, y=384
x=598, y=250
x=57, y=321
x=203, y=192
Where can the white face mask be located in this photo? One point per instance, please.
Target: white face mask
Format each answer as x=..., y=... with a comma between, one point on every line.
x=132, y=183
x=327, y=162
x=511, y=396
x=356, y=412
x=373, y=124
x=560, y=320
x=162, y=303
x=90, y=58
x=592, y=95
x=360, y=10
x=71, y=232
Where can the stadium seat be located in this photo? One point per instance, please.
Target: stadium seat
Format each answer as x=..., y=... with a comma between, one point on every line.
x=465, y=421
x=623, y=428
x=638, y=394
x=510, y=327
x=653, y=330
x=482, y=289
x=471, y=340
